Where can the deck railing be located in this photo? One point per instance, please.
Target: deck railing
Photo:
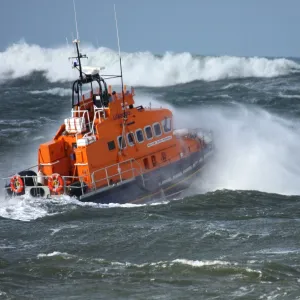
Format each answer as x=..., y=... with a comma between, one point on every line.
x=134, y=171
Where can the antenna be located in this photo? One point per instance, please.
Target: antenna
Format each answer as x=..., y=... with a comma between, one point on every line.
x=76, y=42
x=124, y=116
x=76, y=20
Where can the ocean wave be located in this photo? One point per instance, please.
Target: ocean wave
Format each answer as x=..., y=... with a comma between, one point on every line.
x=26, y=208
x=62, y=92
x=255, y=149
x=158, y=264
x=295, y=96
x=99, y=264
x=56, y=253
x=139, y=68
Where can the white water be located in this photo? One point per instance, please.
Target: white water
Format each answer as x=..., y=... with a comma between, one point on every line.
x=27, y=208
x=54, y=91
x=255, y=150
x=141, y=68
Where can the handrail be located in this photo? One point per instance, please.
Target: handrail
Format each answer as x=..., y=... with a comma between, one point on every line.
x=97, y=112
x=94, y=186
x=107, y=177
x=85, y=112
x=43, y=176
x=49, y=164
x=91, y=124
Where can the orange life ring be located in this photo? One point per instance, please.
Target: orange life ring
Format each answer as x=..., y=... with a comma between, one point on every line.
x=55, y=183
x=17, y=184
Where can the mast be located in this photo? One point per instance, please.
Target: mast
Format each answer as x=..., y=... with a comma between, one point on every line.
x=76, y=42
x=123, y=96
x=79, y=56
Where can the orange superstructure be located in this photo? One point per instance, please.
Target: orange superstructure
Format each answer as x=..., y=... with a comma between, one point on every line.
x=109, y=143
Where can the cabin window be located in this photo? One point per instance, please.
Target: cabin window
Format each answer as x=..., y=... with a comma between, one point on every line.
x=163, y=156
x=146, y=163
x=167, y=124
x=157, y=129
x=111, y=145
x=153, y=158
x=121, y=142
x=130, y=139
x=139, y=135
x=148, y=132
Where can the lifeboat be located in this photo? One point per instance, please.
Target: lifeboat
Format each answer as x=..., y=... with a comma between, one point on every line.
x=111, y=150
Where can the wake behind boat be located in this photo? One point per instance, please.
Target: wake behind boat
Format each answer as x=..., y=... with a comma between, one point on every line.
x=111, y=151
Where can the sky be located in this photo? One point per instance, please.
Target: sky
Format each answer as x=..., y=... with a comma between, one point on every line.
x=205, y=27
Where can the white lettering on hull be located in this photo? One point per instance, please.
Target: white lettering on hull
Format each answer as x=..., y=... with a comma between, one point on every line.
x=167, y=138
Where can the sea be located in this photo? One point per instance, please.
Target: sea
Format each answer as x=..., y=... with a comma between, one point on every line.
x=233, y=235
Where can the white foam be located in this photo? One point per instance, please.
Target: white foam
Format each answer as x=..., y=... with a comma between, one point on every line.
x=36, y=138
x=295, y=96
x=54, y=91
x=255, y=149
x=140, y=68
x=165, y=264
x=23, y=209
x=202, y=263
x=56, y=253
x=58, y=229
x=6, y=247
x=279, y=251
x=158, y=264
x=27, y=208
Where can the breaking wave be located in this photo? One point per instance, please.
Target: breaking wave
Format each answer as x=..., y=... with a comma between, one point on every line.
x=140, y=68
x=255, y=149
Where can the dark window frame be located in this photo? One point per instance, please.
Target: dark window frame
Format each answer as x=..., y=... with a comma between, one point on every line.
x=123, y=140
x=146, y=127
x=140, y=130
x=155, y=124
x=133, y=138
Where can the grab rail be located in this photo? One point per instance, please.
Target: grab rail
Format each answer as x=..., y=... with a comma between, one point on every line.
x=119, y=173
x=136, y=171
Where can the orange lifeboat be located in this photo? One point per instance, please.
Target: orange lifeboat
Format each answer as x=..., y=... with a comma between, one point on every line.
x=110, y=150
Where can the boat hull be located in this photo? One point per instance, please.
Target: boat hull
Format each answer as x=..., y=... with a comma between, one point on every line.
x=137, y=193
x=161, y=184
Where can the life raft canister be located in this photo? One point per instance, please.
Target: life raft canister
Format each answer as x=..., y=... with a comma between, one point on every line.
x=17, y=184
x=55, y=183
